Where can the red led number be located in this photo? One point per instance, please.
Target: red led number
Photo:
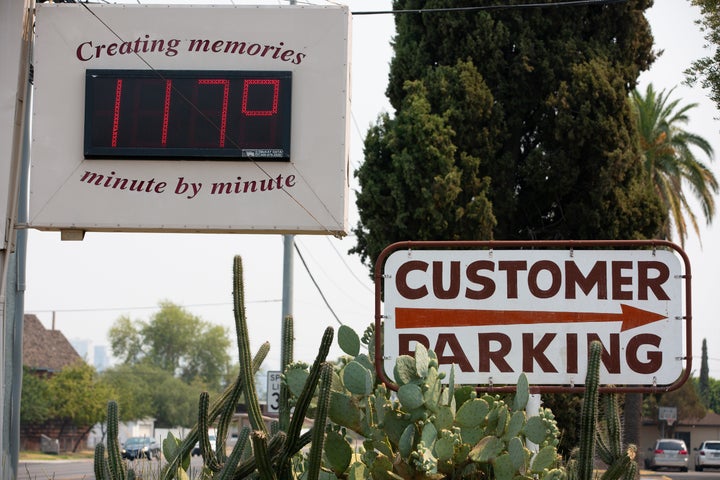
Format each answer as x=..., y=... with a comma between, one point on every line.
x=166, y=112
x=226, y=94
x=116, y=112
x=260, y=113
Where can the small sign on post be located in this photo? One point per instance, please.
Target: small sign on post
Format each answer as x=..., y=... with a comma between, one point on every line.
x=669, y=414
x=273, y=391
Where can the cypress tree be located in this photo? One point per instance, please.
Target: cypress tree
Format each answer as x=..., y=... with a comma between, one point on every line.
x=511, y=124
x=704, y=379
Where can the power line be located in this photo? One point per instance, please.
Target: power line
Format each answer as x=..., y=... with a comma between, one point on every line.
x=316, y=284
x=153, y=307
x=349, y=269
x=339, y=285
x=695, y=357
x=574, y=3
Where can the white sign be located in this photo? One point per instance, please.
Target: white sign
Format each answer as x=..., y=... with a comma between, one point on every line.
x=274, y=379
x=264, y=190
x=497, y=313
x=667, y=413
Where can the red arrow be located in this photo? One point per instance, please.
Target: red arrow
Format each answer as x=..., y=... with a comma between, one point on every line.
x=630, y=317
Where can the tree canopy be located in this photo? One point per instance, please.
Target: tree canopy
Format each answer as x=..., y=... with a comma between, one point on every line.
x=35, y=406
x=685, y=399
x=78, y=396
x=73, y=396
x=175, y=341
x=706, y=70
x=135, y=387
x=145, y=390
x=714, y=395
x=509, y=124
x=165, y=363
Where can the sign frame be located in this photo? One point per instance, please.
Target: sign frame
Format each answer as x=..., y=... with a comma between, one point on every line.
x=569, y=245
x=308, y=193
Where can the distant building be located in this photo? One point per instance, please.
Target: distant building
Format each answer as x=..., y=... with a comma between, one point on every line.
x=96, y=355
x=692, y=431
x=82, y=347
x=45, y=351
x=101, y=360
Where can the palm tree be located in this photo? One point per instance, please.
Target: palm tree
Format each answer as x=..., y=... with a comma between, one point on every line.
x=669, y=157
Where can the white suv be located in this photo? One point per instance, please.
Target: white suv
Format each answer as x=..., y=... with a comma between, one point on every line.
x=668, y=452
x=707, y=455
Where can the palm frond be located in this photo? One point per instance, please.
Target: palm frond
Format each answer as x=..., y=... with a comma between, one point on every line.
x=670, y=159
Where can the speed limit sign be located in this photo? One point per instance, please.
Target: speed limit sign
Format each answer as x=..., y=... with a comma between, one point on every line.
x=273, y=391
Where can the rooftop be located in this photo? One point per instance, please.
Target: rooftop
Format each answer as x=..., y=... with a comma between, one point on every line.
x=45, y=350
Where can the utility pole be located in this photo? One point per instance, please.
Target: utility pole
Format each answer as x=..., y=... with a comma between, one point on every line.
x=287, y=289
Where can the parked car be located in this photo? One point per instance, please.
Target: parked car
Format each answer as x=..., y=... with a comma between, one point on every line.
x=196, y=448
x=668, y=452
x=707, y=455
x=136, y=447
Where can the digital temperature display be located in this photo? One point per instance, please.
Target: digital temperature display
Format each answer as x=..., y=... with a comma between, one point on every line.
x=187, y=114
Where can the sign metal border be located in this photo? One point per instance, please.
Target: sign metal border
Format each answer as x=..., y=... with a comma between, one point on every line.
x=536, y=244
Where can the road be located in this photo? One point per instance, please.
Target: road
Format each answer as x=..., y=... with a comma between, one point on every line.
x=83, y=470
x=673, y=475
x=56, y=469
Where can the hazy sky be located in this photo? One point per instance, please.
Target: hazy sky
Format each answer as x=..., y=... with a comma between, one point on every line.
x=89, y=284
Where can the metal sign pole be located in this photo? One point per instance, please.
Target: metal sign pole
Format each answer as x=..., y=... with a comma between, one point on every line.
x=15, y=34
x=287, y=292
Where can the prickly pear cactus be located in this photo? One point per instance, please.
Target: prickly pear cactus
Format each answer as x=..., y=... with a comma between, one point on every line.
x=428, y=430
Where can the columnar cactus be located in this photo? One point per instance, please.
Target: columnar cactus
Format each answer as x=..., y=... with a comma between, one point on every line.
x=178, y=453
x=589, y=415
x=265, y=455
x=320, y=417
x=620, y=461
x=303, y=404
x=211, y=459
x=111, y=467
x=286, y=358
x=246, y=371
x=260, y=447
